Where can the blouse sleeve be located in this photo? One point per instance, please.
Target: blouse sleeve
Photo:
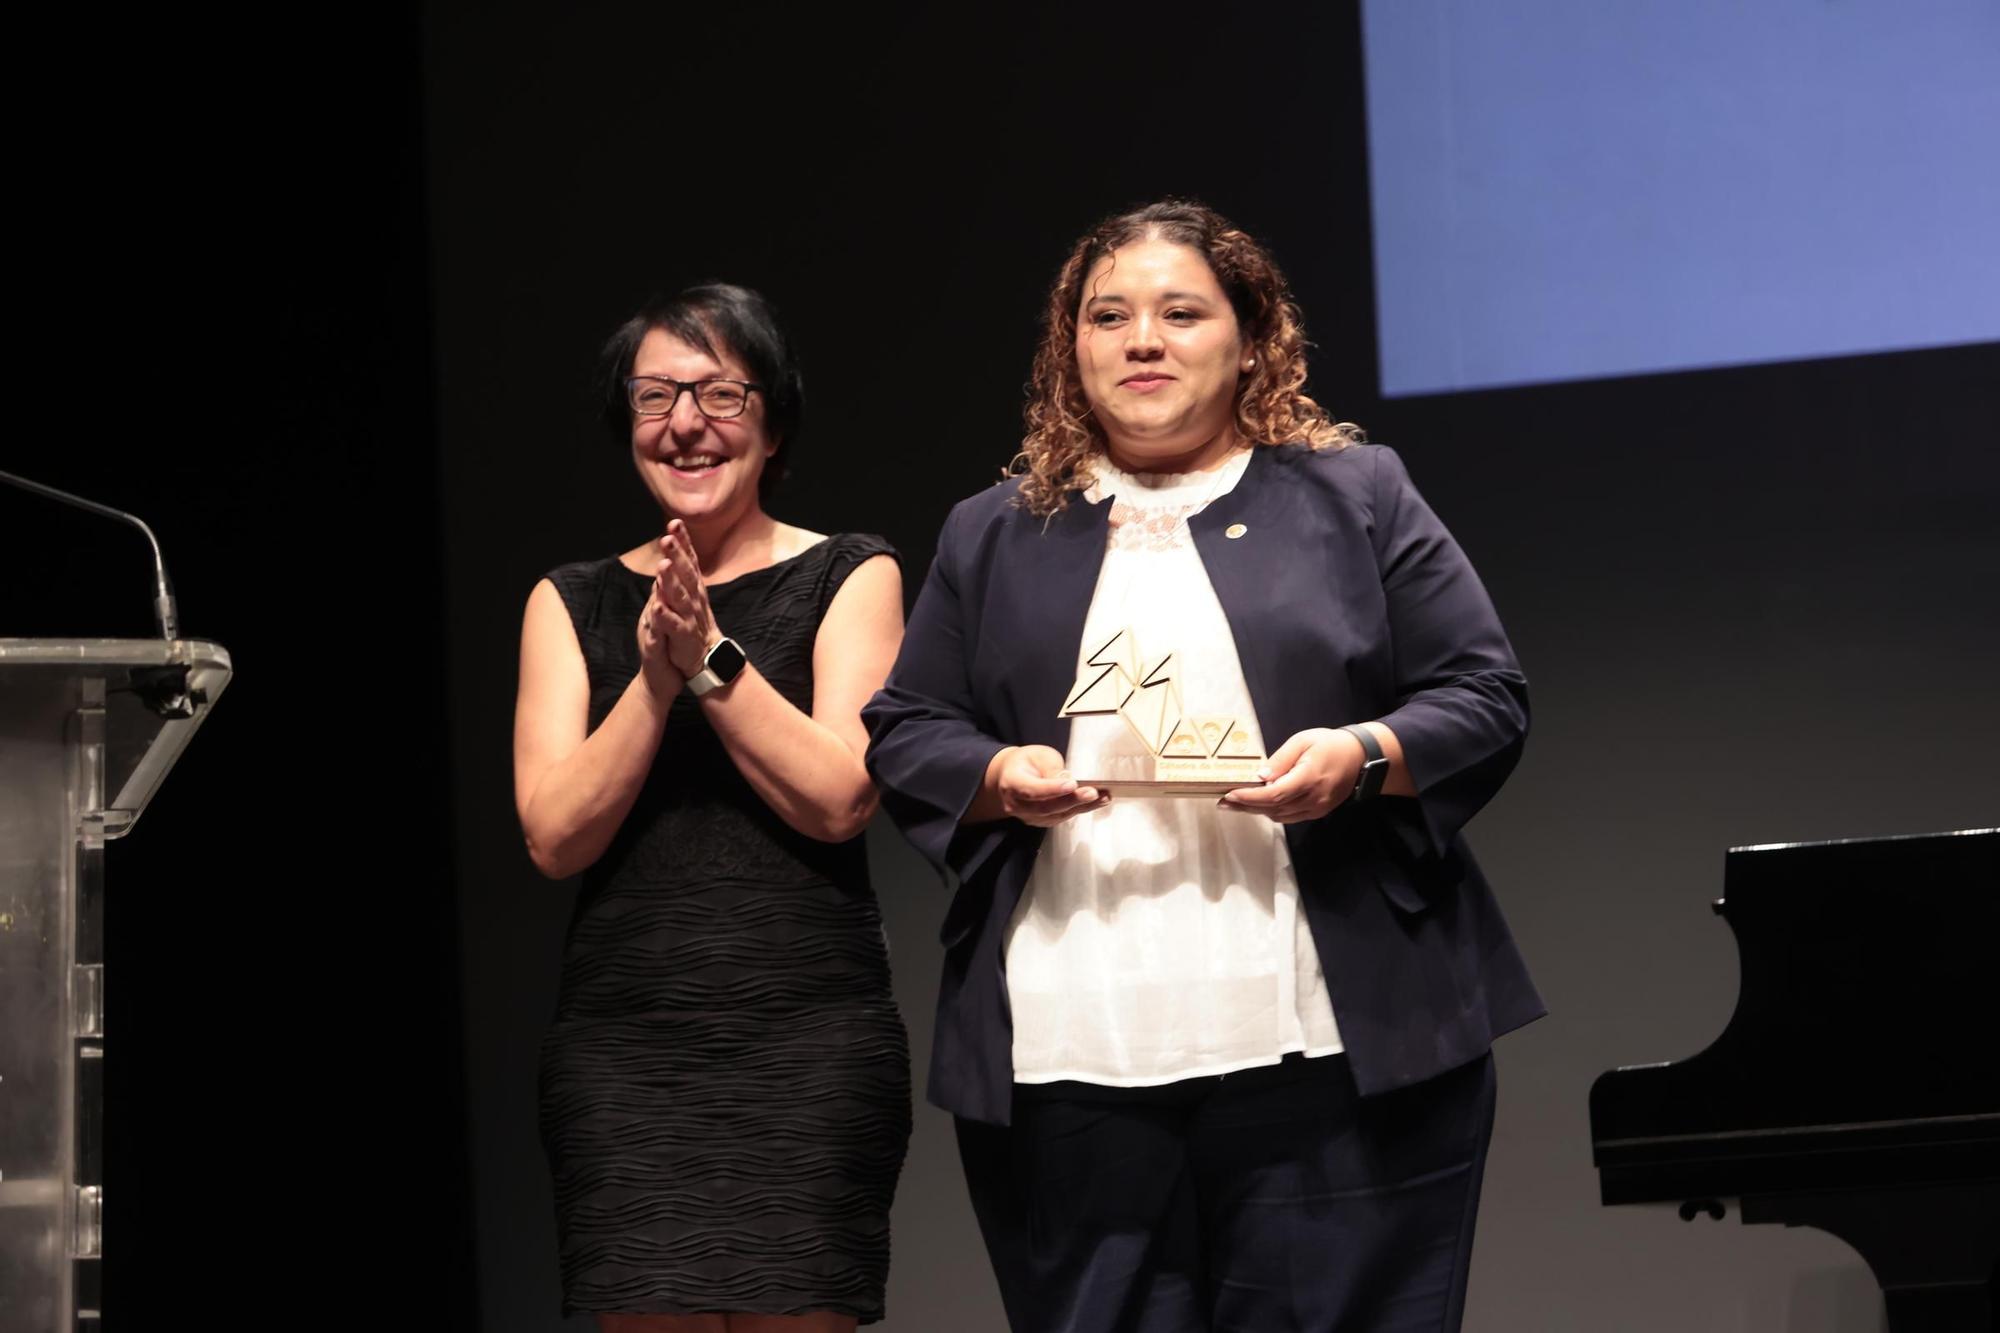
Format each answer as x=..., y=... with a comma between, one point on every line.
x=928, y=748
x=1462, y=703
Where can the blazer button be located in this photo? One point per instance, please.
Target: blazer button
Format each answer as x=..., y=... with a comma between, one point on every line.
x=1234, y=530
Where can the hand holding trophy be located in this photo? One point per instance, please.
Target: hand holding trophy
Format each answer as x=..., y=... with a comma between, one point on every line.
x=1193, y=754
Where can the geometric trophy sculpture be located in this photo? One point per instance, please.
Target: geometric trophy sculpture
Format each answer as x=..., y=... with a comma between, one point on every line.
x=1193, y=754
x=88, y=729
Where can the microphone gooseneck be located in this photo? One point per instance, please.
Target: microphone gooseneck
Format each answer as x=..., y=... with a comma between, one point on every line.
x=164, y=610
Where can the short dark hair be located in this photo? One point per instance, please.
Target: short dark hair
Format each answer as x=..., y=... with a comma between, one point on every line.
x=746, y=326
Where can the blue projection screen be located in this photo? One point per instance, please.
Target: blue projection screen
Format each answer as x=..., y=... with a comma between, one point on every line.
x=1567, y=189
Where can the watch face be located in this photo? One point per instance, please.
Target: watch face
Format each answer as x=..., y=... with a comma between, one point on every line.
x=726, y=660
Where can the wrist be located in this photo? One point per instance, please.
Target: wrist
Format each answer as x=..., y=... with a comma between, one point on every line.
x=986, y=804
x=722, y=663
x=694, y=664
x=659, y=681
x=991, y=782
x=1374, y=768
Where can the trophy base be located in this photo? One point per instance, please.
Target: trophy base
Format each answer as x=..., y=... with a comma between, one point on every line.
x=1184, y=777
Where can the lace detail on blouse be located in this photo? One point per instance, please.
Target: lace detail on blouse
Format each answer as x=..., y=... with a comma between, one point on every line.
x=1149, y=512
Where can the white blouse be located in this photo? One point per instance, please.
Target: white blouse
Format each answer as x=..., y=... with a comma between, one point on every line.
x=1160, y=938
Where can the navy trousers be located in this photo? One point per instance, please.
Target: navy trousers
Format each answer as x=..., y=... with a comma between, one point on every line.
x=1274, y=1200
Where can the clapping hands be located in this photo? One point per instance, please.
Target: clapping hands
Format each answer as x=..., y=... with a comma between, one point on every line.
x=676, y=628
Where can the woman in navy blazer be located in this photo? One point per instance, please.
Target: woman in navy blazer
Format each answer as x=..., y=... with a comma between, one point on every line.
x=1348, y=603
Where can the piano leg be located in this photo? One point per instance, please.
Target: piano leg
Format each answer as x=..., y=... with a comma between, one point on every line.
x=1932, y=1248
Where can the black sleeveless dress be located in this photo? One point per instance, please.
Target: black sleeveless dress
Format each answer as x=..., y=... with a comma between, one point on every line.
x=725, y=1092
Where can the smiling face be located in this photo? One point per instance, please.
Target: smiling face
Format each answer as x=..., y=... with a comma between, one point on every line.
x=702, y=471
x=1159, y=355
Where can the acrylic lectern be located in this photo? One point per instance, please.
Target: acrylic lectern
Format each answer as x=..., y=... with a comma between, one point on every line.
x=88, y=730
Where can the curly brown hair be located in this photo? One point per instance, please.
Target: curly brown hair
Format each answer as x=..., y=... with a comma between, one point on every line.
x=1271, y=407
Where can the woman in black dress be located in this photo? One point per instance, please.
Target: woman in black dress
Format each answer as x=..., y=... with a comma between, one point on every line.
x=725, y=1088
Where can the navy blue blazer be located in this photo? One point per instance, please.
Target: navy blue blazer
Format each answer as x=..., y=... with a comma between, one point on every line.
x=1348, y=601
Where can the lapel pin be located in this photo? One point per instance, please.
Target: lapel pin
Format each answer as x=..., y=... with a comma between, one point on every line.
x=1234, y=530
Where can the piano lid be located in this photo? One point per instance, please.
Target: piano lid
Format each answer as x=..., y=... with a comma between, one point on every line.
x=1870, y=997
x=1856, y=1087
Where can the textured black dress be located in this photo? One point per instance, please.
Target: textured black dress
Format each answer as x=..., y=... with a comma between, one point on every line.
x=725, y=1092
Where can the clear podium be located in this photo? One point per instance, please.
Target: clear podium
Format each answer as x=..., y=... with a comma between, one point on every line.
x=89, y=728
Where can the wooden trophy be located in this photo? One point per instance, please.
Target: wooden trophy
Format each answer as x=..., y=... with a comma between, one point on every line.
x=1193, y=754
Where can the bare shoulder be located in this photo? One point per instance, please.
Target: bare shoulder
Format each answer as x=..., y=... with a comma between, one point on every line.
x=877, y=576
x=869, y=601
x=546, y=624
x=552, y=694
x=789, y=541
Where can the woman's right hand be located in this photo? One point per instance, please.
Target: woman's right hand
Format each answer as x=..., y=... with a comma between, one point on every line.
x=1029, y=783
x=663, y=678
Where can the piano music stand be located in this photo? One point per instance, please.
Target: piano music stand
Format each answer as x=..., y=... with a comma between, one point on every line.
x=88, y=730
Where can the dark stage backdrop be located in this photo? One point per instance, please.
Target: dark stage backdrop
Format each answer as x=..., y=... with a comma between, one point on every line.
x=1754, y=604
x=219, y=257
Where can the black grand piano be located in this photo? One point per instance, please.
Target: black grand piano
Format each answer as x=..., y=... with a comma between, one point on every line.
x=1857, y=1086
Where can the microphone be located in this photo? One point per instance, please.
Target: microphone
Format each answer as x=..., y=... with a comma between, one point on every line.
x=163, y=591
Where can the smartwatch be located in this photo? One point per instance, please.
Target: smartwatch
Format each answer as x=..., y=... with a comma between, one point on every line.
x=719, y=665
x=1374, y=764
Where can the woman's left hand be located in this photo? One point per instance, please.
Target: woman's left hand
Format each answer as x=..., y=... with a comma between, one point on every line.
x=679, y=603
x=1310, y=774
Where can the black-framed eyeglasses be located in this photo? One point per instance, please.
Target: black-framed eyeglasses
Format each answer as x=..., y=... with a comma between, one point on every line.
x=718, y=400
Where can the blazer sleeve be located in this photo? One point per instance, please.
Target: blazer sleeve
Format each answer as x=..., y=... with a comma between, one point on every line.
x=1461, y=709
x=927, y=747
